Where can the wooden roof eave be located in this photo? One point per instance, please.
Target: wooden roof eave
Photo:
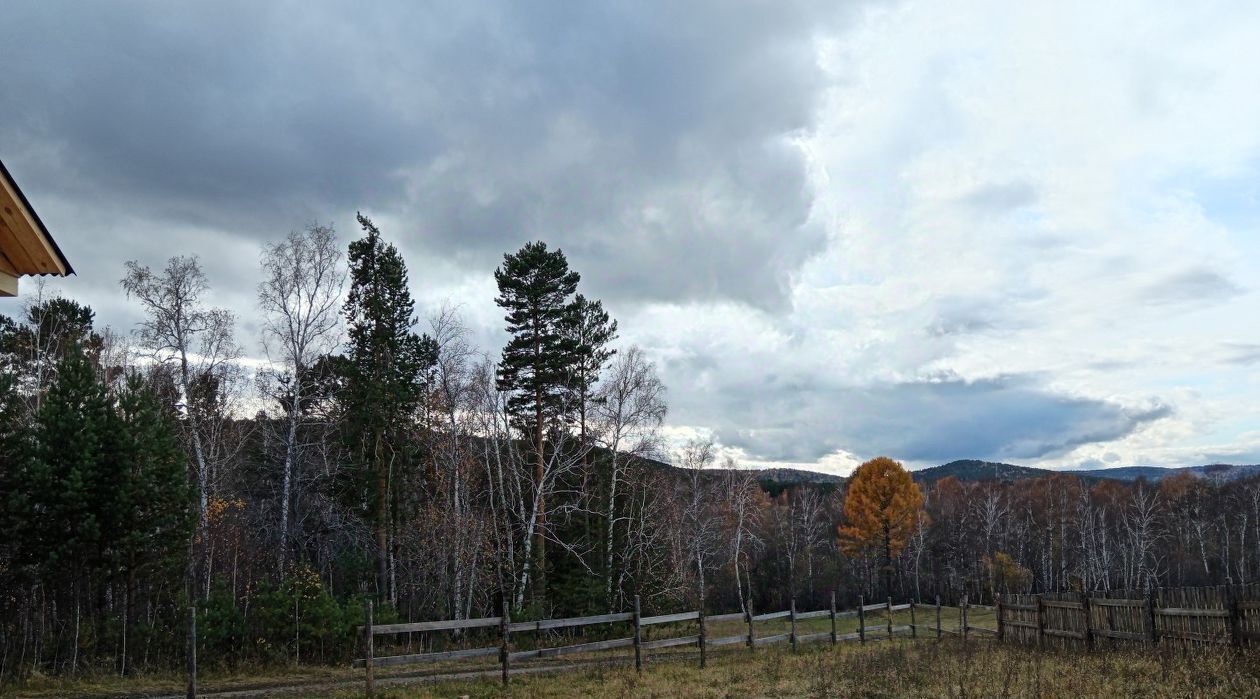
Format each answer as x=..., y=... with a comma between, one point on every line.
x=26, y=247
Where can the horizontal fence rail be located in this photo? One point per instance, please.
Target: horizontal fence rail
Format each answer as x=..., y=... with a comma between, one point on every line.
x=882, y=613
x=1177, y=616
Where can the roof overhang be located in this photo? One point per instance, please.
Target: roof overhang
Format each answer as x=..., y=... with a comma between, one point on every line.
x=26, y=248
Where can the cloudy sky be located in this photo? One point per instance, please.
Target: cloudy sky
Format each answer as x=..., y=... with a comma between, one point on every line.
x=1009, y=231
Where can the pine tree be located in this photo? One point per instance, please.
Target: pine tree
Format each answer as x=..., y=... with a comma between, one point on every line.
x=15, y=452
x=70, y=475
x=384, y=376
x=590, y=329
x=151, y=506
x=70, y=482
x=535, y=288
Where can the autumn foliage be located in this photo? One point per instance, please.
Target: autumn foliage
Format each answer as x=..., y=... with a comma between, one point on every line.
x=881, y=509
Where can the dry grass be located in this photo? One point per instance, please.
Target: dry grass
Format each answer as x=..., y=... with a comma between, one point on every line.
x=899, y=669
x=111, y=685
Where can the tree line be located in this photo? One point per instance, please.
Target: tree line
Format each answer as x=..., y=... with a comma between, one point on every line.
x=379, y=455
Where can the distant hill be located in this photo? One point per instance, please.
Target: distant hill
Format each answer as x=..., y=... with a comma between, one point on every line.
x=794, y=476
x=774, y=480
x=974, y=470
x=1219, y=472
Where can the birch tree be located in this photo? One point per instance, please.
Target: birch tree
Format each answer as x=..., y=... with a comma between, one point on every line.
x=303, y=276
x=181, y=330
x=630, y=409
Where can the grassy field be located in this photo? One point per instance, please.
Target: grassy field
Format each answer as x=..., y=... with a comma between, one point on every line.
x=215, y=680
x=903, y=668
x=898, y=669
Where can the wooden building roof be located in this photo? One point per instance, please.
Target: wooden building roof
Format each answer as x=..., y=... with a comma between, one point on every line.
x=26, y=248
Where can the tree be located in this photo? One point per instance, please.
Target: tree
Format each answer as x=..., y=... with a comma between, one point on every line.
x=150, y=509
x=699, y=531
x=71, y=481
x=880, y=510
x=384, y=380
x=535, y=288
x=302, y=280
x=589, y=329
x=629, y=413
x=180, y=330
x=742, y=497
x=32, y=349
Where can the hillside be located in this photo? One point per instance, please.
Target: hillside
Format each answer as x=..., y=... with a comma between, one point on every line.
x=775, y=479
x=1223, y=472
x=975, y=470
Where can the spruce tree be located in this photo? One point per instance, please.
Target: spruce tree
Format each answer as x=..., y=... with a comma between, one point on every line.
x=384, y=376
x=535, y=288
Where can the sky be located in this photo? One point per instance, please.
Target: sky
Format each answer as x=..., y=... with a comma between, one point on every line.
x=1024, y=232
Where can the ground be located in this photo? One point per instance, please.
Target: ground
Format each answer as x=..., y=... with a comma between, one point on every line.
x=903, y=668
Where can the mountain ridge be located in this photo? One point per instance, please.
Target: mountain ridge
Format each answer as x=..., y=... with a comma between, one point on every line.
x=978, y=470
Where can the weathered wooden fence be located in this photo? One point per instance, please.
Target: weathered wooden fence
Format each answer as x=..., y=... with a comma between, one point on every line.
x=507, y=630
x=1187, y=616
x=1182, y=616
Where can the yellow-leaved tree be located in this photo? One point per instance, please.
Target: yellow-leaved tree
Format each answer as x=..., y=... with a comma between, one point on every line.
x=881, y=511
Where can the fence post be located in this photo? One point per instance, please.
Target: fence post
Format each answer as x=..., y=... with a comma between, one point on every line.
x=997, y=603
x=505, y=648
x=192, y=651
x=1150, y=615
x=833, y=618
x=792, y=620
x=962, y=617
x=938, y=617
x=368, y=641
x=861, y=619
x=1089, y=624
x=638, y=638
x=890, y=631
x=703, y=636
x=748, y=614
x=914, y=626
x=1041, y=621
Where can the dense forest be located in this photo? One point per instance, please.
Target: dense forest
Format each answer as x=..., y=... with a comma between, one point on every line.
x=377, y=454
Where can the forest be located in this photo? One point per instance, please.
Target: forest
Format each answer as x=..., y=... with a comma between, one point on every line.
x=377, y=454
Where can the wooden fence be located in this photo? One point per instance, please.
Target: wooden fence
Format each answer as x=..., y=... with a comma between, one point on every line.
x=1181, y=616
x=1185, y=617
x=507, y=630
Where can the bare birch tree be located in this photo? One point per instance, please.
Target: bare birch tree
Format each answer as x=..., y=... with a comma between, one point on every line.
x=179, y=329
x=303, y=277
x=629, y=410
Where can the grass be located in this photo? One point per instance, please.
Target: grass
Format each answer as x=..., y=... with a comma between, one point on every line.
x=110, y=685
x=899, y=669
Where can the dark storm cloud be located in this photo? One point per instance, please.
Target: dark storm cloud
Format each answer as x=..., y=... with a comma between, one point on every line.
x=652, y=144
x=936, y=421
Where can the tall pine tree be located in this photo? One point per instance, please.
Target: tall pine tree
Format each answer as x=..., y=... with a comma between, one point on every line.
x=151, y=506
x=590, y=329
x=384, y=376
x=536, y=288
